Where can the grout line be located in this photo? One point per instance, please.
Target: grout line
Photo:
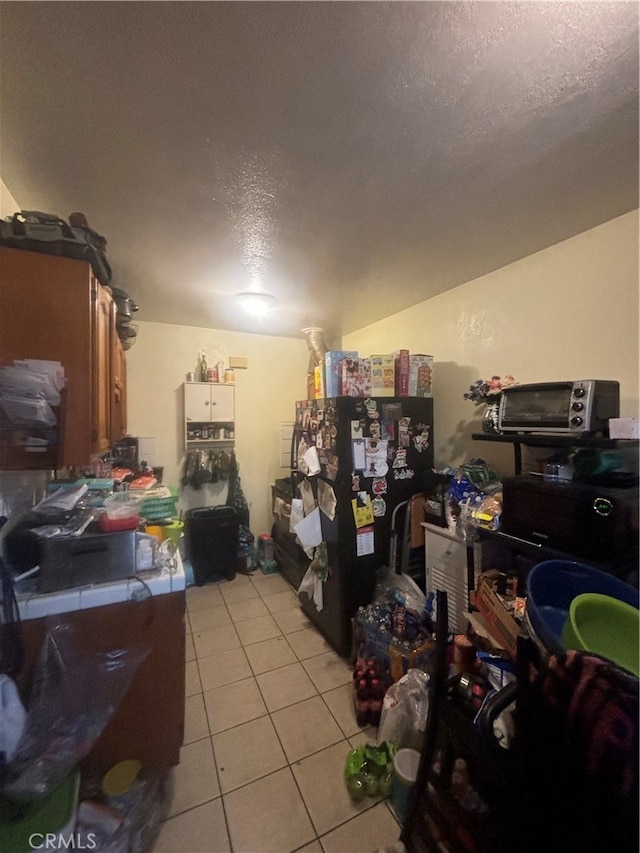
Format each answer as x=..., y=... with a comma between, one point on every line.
x=289, y=765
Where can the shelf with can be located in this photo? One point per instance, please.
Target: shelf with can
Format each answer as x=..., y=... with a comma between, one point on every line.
x=210, y=432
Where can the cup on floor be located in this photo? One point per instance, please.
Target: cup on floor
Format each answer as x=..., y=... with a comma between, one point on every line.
x=405, y=772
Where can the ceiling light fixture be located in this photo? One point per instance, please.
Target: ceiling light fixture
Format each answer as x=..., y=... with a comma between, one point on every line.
x=258, y=303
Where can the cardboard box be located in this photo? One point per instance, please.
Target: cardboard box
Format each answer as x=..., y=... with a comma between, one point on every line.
x=356, y=377
x=500, y=623
x=332, y=371
x=624, y=428
x=383, y=381
x=402, y=366
x=318, y=381
x=420, y=373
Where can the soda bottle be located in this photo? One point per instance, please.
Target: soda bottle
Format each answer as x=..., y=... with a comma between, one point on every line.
x=361, y=701
x=376, y=694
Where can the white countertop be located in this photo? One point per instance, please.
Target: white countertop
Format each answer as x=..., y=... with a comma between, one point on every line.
x=35, y=605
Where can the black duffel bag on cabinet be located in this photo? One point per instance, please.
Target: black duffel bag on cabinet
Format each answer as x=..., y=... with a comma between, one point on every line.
x=43, y=232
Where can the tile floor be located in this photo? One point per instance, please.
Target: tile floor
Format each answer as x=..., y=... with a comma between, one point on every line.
x=269, y=723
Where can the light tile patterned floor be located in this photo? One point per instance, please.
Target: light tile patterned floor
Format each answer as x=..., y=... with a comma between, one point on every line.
x=269, y=722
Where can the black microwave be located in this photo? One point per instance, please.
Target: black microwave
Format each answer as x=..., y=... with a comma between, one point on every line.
x=599, y=523
x=573, y=407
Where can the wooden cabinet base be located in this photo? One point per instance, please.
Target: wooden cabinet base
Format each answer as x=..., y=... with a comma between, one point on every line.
x=149, y=722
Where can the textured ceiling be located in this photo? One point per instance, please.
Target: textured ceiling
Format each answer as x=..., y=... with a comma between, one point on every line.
x=352, y=159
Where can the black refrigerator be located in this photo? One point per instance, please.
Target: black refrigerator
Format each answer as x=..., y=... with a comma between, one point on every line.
x=358, y=458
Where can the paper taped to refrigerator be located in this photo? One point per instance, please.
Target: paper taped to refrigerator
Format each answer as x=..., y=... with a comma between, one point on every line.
x=313, y=463
x=365, y=542
x=297, y=512
x=327, y=500
x=309, y=531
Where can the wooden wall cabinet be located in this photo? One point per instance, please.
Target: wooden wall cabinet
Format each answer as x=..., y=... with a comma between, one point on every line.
x=209, y=413
x=54, y=308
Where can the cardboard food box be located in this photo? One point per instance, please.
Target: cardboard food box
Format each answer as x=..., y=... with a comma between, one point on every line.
x=318, y=381
x=383, y=381
x=332, y=370
x=356, y=377
x=402, y=368
x=420, y=374
x=501, y=624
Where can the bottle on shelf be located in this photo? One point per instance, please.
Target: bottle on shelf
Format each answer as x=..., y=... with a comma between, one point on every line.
x=203, y=368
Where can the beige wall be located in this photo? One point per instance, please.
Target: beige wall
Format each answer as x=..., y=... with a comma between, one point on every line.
x=265, y=393
x=568, y=312
x=8, y=205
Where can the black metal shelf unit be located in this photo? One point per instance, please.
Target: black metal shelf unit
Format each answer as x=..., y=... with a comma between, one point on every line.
x=532, y=440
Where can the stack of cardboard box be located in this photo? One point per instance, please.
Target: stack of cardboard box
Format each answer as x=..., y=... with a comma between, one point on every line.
x=398, y=374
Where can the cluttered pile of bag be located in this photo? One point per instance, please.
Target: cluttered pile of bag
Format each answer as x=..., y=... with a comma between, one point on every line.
x=394, y=648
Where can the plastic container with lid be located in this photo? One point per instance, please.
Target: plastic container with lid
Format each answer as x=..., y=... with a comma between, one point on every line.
x=123, y=504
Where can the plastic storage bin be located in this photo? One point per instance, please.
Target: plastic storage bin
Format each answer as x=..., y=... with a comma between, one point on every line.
x=551, y=587
x=211, y=535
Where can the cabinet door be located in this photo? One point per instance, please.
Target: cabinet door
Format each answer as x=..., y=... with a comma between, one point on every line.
x=197, y=402
x=103, y=329
x=118, y=390
x=205, y=402
x=222, y=402
x=45, y=313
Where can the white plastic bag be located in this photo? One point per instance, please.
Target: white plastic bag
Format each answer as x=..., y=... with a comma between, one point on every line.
x=312, y=586
x=12, y=718
x=404, y=711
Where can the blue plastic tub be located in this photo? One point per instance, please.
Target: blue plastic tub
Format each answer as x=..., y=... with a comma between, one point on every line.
x=552, y=586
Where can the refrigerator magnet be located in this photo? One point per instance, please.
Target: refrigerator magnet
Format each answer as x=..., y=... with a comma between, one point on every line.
x=400, y=460
x=356, y=429
x=355, y=482
x=421, y=441
x=379, y=486
x=372, y=409
x=403, y=474
x=379, y=507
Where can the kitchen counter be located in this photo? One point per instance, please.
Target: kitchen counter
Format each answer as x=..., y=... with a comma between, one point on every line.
x=35, y=605
x=145, y=611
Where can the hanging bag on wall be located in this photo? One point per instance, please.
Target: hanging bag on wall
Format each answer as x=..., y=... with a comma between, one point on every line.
x=236, y=499
x=43, y=232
